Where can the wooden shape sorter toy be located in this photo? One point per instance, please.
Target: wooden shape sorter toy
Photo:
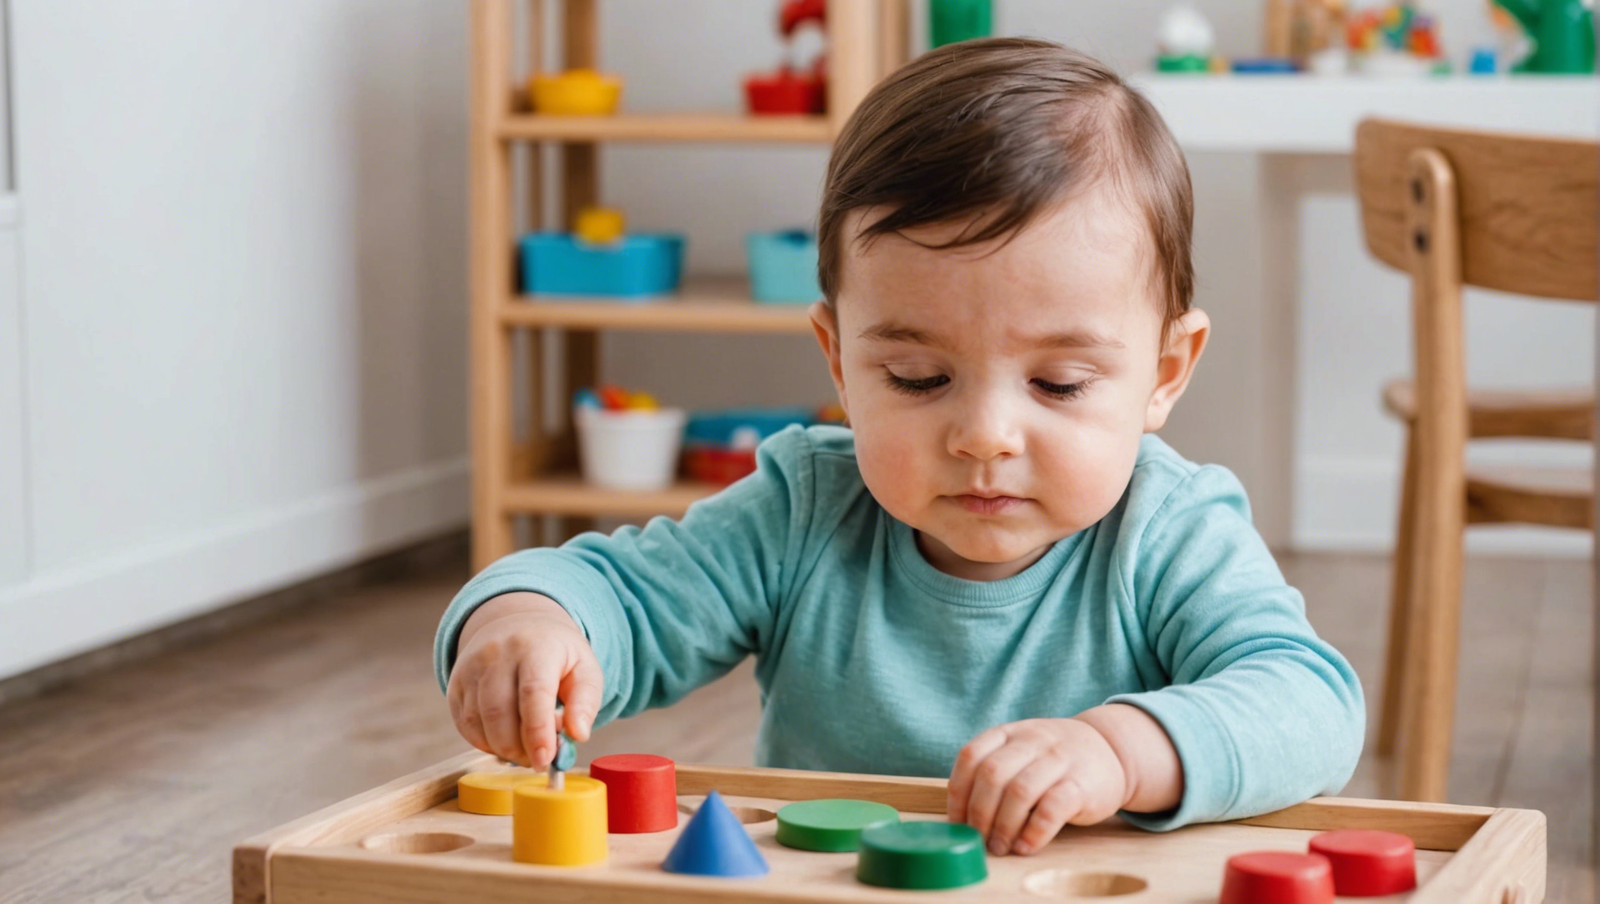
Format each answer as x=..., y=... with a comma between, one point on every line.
x=409, y=841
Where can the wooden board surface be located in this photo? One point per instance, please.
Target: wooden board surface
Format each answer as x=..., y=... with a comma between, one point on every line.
x=408, y=842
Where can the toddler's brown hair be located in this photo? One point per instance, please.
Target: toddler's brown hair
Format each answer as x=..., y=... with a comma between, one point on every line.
x=996, y=131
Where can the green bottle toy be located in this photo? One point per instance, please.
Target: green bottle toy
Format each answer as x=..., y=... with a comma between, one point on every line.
x=950, y=21
x=1562, y=33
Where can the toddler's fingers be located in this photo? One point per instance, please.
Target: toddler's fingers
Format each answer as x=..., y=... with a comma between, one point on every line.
x=536, y=702
x=581, y=692
x=964, y=774
x=1023, y=793
x=1055, y=809
x=989, y=785
x=468, y=720
x=497, y=704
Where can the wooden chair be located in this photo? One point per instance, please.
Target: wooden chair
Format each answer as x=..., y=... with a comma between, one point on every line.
x=1455, y=208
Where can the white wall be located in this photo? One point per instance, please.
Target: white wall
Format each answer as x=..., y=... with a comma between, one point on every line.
x=14, y=533
x=243, y=303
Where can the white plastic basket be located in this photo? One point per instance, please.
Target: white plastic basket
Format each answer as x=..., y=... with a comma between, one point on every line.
x=632, y=449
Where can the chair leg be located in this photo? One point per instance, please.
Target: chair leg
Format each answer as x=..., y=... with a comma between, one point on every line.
x=1400, y=597
x=1428, y=695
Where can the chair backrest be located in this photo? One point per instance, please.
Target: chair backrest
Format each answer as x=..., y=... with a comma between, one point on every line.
x=1528, y=209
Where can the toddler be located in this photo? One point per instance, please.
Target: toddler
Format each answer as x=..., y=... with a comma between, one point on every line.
x=998, y=573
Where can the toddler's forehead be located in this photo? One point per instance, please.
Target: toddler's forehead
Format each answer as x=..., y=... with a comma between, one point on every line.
x=1095, y=214
x=1092, y=255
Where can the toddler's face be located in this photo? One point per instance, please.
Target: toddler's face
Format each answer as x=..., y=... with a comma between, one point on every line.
x=998, y=396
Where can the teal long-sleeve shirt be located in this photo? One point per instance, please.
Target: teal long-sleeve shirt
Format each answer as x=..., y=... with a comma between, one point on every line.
x=871, y=660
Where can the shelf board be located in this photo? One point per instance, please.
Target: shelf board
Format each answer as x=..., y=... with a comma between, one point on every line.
x=704, y=304
x=567, y=494
x=713, y=127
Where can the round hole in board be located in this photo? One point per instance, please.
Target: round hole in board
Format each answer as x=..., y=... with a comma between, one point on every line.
x=416, y=842
x=746, y=815
x=1068, y=883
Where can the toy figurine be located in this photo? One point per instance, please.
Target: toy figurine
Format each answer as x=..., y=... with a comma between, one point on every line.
x=792, y=89
x=1395, y=40
x=1184, y=40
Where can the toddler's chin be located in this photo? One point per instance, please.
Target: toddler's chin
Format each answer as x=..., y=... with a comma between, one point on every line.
x=979, y=552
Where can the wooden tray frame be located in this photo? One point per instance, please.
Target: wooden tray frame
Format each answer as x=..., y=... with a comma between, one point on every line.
x=1500, y=853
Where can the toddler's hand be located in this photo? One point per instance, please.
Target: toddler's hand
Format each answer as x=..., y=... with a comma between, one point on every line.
x=518, y=653
x=1018, y=784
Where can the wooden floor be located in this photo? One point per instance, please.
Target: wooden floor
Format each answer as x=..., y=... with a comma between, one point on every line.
x=133, y=784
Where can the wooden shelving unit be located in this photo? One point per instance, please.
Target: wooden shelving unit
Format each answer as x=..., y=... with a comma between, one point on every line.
x=535, y=475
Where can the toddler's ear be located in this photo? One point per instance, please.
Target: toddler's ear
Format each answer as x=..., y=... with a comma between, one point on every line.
x=825, y=323
x=1186, y=339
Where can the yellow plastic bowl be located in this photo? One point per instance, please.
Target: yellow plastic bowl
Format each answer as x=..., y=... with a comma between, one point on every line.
x=577, y=92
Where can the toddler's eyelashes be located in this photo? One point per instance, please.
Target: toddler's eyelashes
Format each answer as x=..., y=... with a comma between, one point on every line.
x=1062, y=390
x=917, y=386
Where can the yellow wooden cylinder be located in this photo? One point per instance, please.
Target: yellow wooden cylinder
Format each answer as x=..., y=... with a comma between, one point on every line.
x=490, y=792
x=559, y=828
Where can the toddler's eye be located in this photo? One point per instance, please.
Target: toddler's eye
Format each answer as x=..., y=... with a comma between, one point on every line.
x=917, y=386
x=1062, y=390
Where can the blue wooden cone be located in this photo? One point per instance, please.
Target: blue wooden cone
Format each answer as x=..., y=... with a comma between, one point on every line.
x=714, y=843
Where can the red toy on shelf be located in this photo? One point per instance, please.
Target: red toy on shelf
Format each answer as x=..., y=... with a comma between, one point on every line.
x=791, y=90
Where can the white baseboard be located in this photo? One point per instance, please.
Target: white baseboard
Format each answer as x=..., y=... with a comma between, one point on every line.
x=1350, y=505
x=55, y=615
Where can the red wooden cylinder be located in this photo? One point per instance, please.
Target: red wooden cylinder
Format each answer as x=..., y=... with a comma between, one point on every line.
x=641, y=792
x=1277, y=877
x=1368, y=863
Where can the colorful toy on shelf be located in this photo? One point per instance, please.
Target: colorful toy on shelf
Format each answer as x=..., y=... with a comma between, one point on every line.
x=950, y=21
x=1555, y=35
x=1184, y=41
x=720, y=446
x=599, y=225
x=599, y=259
x=792, y=89
x=626, y=440
x=1264, y=66
x=576, y=92
x=1395, y=40
x=783, y=266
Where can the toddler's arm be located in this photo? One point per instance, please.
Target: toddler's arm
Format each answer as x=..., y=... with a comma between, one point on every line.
x=517, y=653
x=1263, y=712
x=665, y=608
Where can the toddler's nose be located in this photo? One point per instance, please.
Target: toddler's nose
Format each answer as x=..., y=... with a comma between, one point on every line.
x=985, y=430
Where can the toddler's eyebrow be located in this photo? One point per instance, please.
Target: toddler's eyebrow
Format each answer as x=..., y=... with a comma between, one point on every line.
x=892, y=332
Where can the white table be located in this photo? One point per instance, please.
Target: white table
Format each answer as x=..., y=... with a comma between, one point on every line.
x=1295, y=123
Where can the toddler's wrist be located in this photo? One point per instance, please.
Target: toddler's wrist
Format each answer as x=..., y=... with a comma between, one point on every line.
x=517, y=605
x=1113, y=757
x=1152, y=771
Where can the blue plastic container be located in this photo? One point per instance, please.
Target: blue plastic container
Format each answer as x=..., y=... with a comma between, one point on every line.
x=1264, y=66
x=783, y=266
x=634, y=266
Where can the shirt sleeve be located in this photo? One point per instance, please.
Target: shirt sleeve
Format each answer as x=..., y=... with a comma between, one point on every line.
x=1264, y=714
x=676, y=604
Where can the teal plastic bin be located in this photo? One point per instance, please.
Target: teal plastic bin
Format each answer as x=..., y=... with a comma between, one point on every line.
x=634, y=266
x=783, y=266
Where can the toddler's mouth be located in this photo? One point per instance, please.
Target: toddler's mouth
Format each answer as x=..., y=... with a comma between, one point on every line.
x=987, y=505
